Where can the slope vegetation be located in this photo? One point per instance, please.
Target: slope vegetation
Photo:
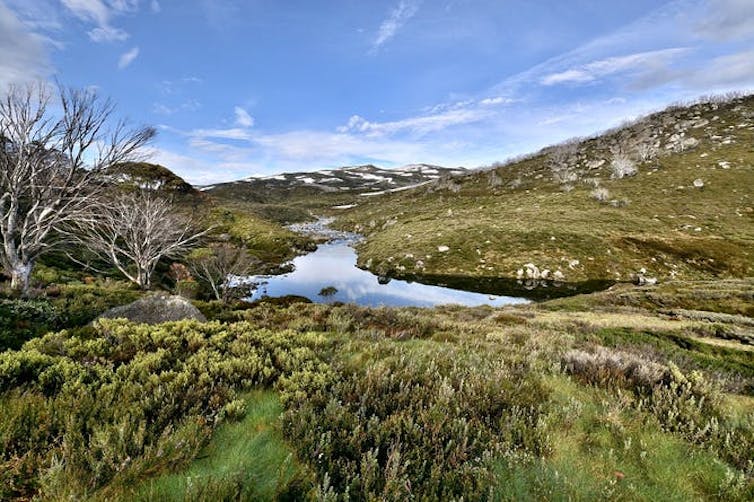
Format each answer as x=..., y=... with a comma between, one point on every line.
x=667, y=196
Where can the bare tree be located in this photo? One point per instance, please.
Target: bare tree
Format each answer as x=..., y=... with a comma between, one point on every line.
x=646, y=151
x=134, y=231
x=622, y=166
x=560, y=159
x=220, y=266
x=51, y=154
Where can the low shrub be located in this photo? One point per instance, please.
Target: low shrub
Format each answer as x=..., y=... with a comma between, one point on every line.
x=22, y=320
x=83, y=410
x=416, y=426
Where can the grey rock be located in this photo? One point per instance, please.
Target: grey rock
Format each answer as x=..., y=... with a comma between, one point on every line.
x=156, y=309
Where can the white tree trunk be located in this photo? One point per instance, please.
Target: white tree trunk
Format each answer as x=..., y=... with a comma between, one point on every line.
x=20, y=277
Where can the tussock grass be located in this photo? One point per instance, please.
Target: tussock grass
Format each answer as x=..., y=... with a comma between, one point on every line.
x=656, y=220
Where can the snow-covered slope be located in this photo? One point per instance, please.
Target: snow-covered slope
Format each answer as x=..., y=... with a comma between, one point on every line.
x=358, y=179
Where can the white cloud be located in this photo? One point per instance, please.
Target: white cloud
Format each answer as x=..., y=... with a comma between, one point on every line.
x=398, y=17
x=243, y=119
x=732, y=71
x=727, y=20
x=232, y=133
x=23, y=54
x=590, y=72
x=101, y=13
x=107, y=34
x=155, y=6
x=190, y=105
x=498, y=100
x=128, y=57
x=416, y=125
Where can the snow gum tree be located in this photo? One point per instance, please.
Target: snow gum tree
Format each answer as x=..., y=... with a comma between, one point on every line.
x=53, y=147
x=135, y=230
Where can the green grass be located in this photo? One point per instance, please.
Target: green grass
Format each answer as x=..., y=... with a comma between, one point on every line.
x=267, y=240
x=605, y=450
x=732, y=296
x=495, y=231
x=245, y=460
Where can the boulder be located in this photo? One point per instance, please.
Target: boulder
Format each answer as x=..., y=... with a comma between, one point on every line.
x=156, y=309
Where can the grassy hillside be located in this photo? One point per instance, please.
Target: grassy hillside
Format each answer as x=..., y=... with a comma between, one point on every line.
x=687, y=213
x=258, y=229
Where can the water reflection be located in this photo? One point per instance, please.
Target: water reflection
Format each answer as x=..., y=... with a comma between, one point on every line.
x=334, y=264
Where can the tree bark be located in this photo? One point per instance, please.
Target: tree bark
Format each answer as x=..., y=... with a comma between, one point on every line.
x=20, y=278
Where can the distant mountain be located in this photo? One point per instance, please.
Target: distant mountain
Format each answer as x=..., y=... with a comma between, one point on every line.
x=366, y=179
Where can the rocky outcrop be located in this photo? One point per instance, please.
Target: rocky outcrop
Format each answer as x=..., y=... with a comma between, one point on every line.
x=156, y=309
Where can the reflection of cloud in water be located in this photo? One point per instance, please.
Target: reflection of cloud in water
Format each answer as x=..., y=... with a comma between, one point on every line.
x=334, y=264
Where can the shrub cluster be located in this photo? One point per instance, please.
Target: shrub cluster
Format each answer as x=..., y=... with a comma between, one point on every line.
x=417, y=426
x=22, y=320
x=118, y=401
x=686, y=404
x=66, y=307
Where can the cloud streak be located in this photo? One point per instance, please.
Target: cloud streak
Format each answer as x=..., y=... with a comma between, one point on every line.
x=398, y=17
x=127, y=58
x=728, y=20
x=101, y=13
x=596, y=70
x=243, y=119
x=23, y=54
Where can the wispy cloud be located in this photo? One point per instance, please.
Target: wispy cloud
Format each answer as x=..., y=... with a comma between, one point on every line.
x=398, y=17
x=596, y=70
x=190, y=105
x=128, y=57
x=101, y=13
x=243, y=119
x=727, y=20
x=23, y=54
x=418, y=126
x=726, y=71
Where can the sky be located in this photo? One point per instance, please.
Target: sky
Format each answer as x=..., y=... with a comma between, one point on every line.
x=240, y=88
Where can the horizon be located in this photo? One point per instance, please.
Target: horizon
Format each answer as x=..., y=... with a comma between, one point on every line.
x=241, y=89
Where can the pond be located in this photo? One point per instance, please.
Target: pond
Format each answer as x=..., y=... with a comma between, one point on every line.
x=330, y=274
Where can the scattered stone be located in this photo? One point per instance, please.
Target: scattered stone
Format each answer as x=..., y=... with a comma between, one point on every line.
x=443, y=249
x=531, y=271
x=698, y=183
x=646, y=281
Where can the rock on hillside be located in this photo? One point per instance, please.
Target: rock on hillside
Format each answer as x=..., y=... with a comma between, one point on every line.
x=156, y=309
x=666, y=196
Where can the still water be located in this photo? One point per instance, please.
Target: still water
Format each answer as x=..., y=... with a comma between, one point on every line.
x=333, y=265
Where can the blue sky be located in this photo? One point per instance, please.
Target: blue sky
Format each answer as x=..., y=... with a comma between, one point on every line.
x=239, y=88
